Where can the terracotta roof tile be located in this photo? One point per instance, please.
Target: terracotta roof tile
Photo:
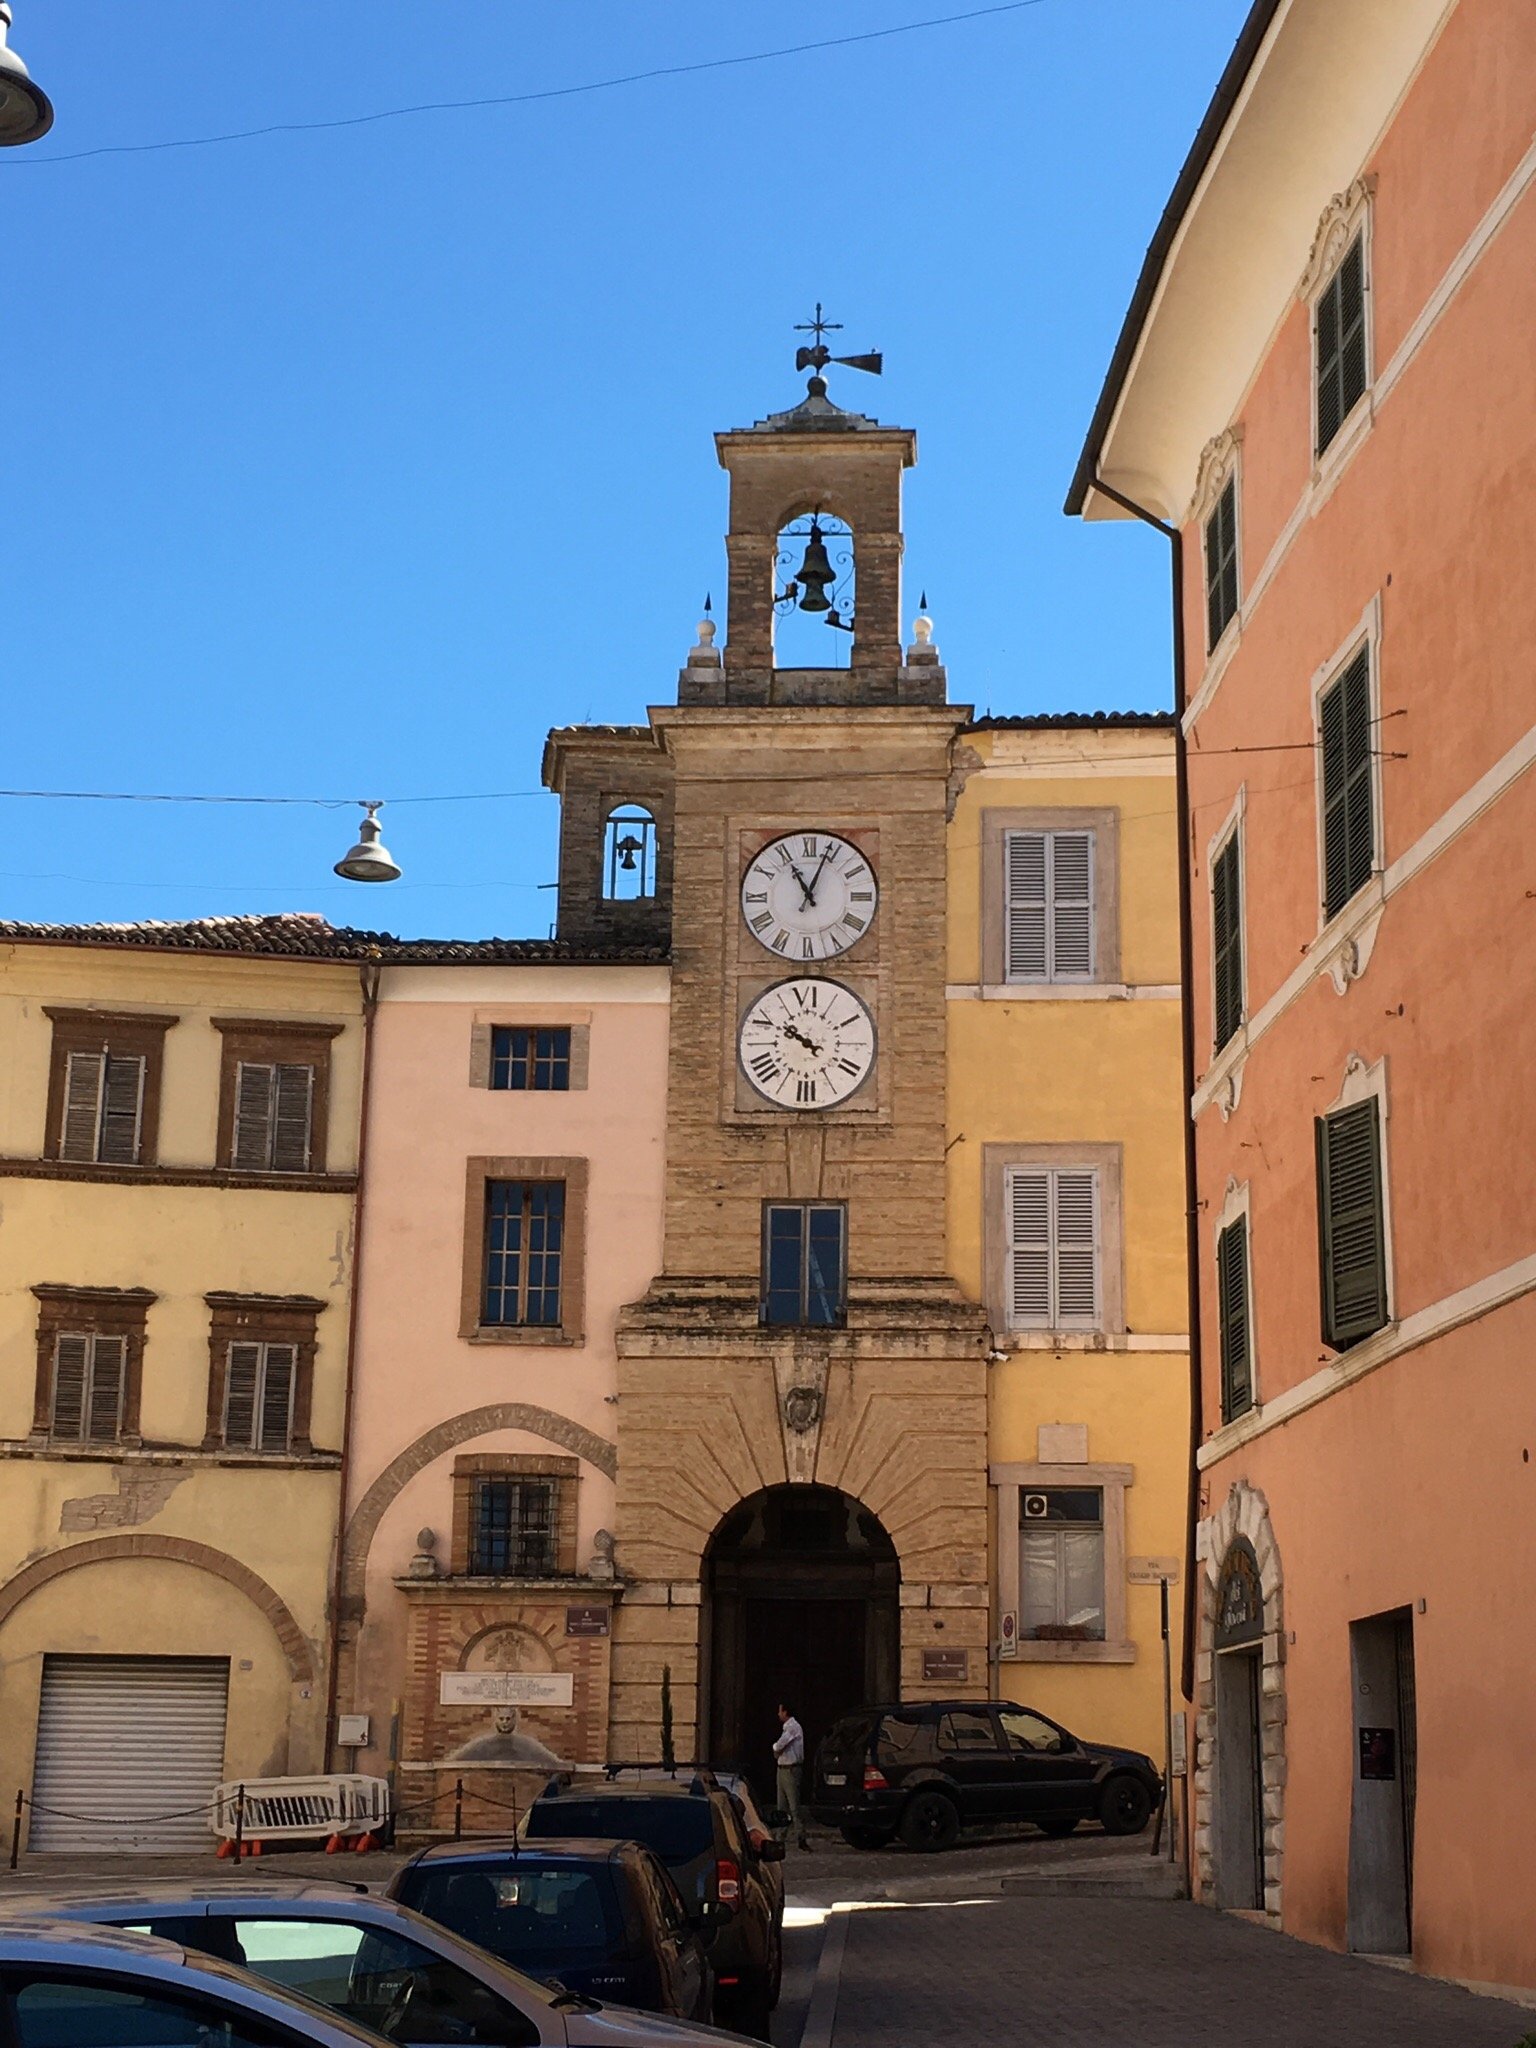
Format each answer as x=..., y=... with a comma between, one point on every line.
x=305, y=935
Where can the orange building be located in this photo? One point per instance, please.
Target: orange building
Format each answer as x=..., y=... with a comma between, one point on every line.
x=1325, y=394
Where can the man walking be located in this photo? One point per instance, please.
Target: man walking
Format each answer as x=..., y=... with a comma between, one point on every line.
x=789, y=1755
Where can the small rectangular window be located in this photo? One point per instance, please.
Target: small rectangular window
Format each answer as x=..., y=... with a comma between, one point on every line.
x=1233, y=1313
x=512, y=1528
x=1221, y=564
x=1227, y=922
x=259, y=1383
x=103, y=1107
x=273, y=1105
x=1061, y=1564
x=530, y=1056
x=1349, y=819
x=88, y=1379
x=1340, y=341
x=1351, y=1213
x=524, y=1245
x=804, y=1263
x=1053, y=1247
x=1049, y=911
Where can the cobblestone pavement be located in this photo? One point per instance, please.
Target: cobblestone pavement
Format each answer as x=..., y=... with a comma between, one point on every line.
x=1123, y=1973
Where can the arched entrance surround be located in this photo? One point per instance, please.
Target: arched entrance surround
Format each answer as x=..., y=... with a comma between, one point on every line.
x=801, y=1603
x=1239, y=1781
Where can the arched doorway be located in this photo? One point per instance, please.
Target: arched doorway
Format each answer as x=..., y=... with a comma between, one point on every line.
x=1239, y=1672
x=801, y=1588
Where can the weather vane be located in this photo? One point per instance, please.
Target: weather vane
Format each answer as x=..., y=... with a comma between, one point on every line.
x=818, y=355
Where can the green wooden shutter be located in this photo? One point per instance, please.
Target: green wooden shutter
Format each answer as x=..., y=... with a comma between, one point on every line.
x=1351, y=1216
x=1232, y=1310
x=1349, y=819
x=1227, y=918
x=1340, y=337
x=1221, y=564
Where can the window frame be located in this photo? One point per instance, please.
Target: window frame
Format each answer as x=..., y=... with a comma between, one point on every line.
x=1230, y=840
x=998, y=1160
x=528, y=1017
x=90, y=1312
x=1363, y=1086
x=1235, y=1214
x=996, y=824
x=1329, y=286
x=1364, y=638
x=804, y=1209
x=533, y=1209
x=275, y=1042
x=1026, y=1526
x=1348, y=219
x=120, y=1034
x=1227, y=485
x=266, y=1319
x=474, y=1470
x=1012, y=1480
x=480, y=1172
x=522, y=1065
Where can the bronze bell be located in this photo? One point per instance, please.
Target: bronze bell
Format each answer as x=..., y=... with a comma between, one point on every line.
x=815, y=573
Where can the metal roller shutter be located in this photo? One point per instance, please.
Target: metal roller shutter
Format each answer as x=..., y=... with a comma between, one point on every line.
x=121, y=1740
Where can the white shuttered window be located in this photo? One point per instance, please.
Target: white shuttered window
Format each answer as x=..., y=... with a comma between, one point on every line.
x=273, y=1107
x=88, y=1375
x=1049, y=888
x=103, y=1107
x=1053, y=1248
x=258, y=1396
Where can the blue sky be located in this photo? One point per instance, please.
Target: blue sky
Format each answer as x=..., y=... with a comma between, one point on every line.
x=343, y=464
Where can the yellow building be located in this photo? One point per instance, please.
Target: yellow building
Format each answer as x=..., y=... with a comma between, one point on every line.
x=179, y=1114
x=1066, y=1208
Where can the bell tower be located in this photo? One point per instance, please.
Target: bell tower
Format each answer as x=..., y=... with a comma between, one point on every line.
x=802, y=1508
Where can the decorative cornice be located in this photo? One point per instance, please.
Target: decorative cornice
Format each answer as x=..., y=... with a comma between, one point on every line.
x=178, y=1176
x=1216, y=460
x=1335, y=230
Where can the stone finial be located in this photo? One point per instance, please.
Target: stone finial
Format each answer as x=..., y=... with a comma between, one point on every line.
x=424, y=1564
x=922, y=648
x=704, y=653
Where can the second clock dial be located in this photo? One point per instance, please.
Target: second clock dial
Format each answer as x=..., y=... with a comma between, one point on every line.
x=809, y=896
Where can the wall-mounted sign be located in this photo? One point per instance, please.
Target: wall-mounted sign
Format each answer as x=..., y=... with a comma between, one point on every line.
x=506, y=1688
x=1146, y=1571
x=1378, y=1752
x=1008, y=1634
x=952, y=1667
x=586, y=1621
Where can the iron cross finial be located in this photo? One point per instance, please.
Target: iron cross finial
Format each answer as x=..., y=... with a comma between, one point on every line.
x=818, y=326
x=818, y=355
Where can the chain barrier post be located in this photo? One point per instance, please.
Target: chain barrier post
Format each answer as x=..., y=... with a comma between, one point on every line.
x=239, y=1822
x=21, y=1800
x=458, y=1809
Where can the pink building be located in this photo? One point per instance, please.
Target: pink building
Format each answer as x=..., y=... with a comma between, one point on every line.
x=1325, y=394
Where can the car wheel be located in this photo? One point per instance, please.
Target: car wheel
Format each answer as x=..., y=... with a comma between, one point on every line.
x=1058, y=1823
x=859, y=1835
x=930, y=1822
x=1125, y=1805
x=776, y=1970
x=748, y=2010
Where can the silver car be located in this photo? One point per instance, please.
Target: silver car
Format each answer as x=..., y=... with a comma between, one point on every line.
x=67, y=1986
x=377, y=1965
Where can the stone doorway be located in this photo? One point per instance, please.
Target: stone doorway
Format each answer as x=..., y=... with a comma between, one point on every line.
x=801, y=1603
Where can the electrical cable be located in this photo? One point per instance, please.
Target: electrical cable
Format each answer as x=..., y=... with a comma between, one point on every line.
x=518, y=99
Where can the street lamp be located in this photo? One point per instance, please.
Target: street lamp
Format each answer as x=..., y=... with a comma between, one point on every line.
x=25, y=110
x=370, y=860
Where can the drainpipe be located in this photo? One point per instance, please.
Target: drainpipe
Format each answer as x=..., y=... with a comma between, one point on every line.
x=1187, y=1047
x=369, y=974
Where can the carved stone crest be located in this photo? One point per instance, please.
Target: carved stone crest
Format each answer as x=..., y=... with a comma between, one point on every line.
x=802, y=1409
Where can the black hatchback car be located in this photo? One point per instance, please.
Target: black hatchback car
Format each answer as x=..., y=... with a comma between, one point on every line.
x=925, y=1771
x=603, y=1917
x=694, y=1826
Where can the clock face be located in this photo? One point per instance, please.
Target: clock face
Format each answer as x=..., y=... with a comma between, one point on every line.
x=809, y=896
x=807, y=1043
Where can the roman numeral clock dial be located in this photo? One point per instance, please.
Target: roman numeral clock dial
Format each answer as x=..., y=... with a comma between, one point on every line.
x=809, y=896
x=807, y=1043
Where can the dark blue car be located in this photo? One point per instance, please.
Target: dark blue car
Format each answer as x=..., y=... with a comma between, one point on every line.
x=602, y=1917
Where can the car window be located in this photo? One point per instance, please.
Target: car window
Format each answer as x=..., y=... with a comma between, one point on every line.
x=966, y=1733
x=535, y=1918
x=903, y=1739
x=75, y=2013
x=669, y=1899
x=676, y=1829
x=1029, y=1733
x=210, y=1937
x=381, y=1980
x=731, y=1823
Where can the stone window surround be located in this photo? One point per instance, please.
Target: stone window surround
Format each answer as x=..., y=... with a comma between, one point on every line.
x=126, y=1033
x=91, y=1312
x=1220, y=465
x=530, y=1017
x=469, y=1470
x=1366, y=632
x=1108, y=1159
x=1009, y=1482
x=1105, y=826
x=262, y=1319
x=1346, y=214
x=296, y=1041
x=571, y=1327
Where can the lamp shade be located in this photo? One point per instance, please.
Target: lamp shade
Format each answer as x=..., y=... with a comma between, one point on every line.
x=369, y=860
x=25, y=110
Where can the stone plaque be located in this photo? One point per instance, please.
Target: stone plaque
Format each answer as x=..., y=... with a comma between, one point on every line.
x=506, y=1688
x=586, y=1621
x=952, y=1667
x=1146, y=1571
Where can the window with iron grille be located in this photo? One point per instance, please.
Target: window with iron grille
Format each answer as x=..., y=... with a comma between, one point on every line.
x=1061, y=1564
x=1049, y=906
x=1352, y=1232
x=512, y=1532
x=524, y=1242
x=259, y=1383
x=273, y=1109
x=1221, y=564
x=804, y=1263
x=1339, y=324
x=1349, y=802
x=530, y=1056
x=89, y=1372
x=1052, y=1216
x=1227, y=934
x=1232, y=1308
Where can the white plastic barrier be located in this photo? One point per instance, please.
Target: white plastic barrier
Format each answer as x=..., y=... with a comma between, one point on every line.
x=279, y=1809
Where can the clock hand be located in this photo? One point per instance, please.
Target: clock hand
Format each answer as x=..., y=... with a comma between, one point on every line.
x=800, y=1038
x=810, y=893
x=807, y=899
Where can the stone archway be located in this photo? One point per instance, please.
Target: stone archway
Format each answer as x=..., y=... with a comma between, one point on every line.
x=303, y=1668
x=1240, y=1702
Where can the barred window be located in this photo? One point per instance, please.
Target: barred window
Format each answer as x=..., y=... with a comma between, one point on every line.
x=524, y=1244
x=512, y=1528
x=531, y=1056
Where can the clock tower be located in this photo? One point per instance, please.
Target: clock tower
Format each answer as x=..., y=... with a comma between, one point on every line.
x=801, y=1418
